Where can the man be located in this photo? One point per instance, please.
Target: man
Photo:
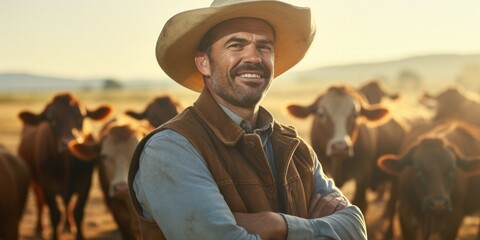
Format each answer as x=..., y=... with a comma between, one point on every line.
x=223, y=168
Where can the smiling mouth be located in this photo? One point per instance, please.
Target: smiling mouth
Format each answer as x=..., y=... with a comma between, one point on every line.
x=250, y=76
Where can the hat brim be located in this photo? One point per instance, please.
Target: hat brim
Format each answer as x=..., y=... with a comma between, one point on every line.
x=181, y=35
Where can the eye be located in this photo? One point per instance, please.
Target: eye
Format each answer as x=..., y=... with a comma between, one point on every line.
x=422, y=176
x=321, y=114
x=266, y=48
x=450, y=174
x=235, y=46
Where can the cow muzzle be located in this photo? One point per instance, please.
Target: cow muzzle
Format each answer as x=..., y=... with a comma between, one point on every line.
x=437, y=204
x=118, y=190
x=340, y=148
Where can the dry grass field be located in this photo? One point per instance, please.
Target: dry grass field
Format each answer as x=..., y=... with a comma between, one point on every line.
x=98, y=223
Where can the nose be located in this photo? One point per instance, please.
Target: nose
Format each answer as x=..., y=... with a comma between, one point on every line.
x=339, y=147
x=119, y=189
x=437, y=204
x=252, y=55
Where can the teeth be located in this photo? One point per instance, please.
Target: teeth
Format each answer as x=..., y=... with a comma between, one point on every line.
x=250, y=75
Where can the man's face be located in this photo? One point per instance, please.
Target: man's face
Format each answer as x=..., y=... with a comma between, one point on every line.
x=241, y=62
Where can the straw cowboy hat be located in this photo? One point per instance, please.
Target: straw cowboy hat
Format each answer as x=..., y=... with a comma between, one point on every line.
x=181, y=35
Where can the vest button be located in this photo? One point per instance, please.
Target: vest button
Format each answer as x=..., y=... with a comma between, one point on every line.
x=251, y=144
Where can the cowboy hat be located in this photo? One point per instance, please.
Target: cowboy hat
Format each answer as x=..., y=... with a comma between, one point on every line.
x=181, y=35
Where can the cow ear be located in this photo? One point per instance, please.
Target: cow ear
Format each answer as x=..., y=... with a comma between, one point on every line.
x=470, y=166
x=299, y=111
x=100, y=113
x=86, y=151
x=30, y=118
x=374, y=112
x=138, y=116
x=303, y=111
x=391, y=164
x=394, y=96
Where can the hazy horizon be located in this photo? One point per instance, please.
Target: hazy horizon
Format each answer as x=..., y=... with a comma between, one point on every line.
x=111, y=39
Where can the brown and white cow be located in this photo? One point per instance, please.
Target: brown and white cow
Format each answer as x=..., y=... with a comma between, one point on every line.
x=14, y=178
x=158, y=111
x=439, y=180
x=375, y=91
x=118, y=142
x=342, y=138
x=45, y=145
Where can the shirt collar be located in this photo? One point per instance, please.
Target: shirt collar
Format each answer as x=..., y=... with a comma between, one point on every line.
x=264, y=123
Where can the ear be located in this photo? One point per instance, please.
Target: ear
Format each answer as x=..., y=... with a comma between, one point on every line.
x=202, y=63
x=138, y=116
x=100, y=113
x=30, y=118
x=374, y=112
x=470, y=166
x=394, y=96
x=86, y=151
x=391, y=164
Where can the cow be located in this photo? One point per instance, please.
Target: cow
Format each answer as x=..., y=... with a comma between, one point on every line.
x=375, y=92
x=158, y=111
x=117, y=144
x=14, y=179
x=453, y=103
x=46, y=146
x=343, y=138
x=438, y=180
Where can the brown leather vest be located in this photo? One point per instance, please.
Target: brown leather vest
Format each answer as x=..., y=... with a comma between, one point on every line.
x=238, y=163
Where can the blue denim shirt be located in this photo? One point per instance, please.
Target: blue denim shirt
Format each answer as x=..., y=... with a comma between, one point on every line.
x=174, y=186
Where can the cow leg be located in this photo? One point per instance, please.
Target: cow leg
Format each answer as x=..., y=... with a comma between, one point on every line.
x=360, y=197
x=390, y=210
x=83, y=189
x=55, y=214
x=39, y=201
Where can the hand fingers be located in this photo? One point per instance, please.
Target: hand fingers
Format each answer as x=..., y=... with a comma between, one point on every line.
x=313, y=202
x=327, y=205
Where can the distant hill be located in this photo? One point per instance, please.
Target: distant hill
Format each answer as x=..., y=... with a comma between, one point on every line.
x=29, y=82
x=432, y=70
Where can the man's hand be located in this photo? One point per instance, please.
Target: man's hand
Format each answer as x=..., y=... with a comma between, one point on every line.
x=324, y=206
x=268, y=225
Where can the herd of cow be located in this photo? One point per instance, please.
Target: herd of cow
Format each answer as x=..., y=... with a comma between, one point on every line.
x=428, y=167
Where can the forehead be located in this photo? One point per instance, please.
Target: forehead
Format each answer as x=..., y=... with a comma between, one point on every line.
x=338, y=102
x=242, y=25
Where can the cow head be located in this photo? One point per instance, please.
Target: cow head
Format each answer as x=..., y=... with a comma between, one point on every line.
x=117, y=147
x=447, y=103
x=436, y=166
x=374, y=91
x=337, y=115
x=65, y=116
x=158, y=111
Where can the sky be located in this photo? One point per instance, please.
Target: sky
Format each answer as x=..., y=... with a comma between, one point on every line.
x=94, y=39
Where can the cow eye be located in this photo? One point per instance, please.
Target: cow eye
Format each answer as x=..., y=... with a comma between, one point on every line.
x=449, y=176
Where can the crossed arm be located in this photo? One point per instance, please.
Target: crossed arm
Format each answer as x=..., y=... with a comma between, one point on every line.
x=270, y=225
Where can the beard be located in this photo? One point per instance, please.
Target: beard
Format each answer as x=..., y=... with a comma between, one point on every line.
x=225, y=86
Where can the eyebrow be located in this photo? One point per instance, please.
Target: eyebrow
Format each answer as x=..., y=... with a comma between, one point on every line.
x=243, y=40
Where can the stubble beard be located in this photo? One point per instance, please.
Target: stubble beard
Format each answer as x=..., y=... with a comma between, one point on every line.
x=232, y=92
